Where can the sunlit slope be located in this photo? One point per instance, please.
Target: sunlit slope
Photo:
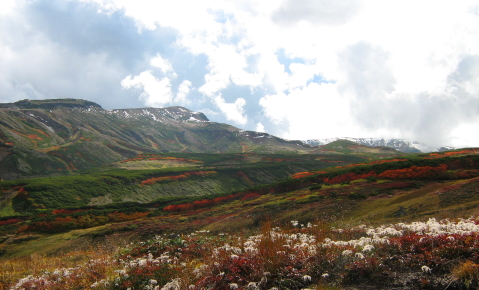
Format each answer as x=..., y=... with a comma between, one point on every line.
x=147, y=177
x=439, y=185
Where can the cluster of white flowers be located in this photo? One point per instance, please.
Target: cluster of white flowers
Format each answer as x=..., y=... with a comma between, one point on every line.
x=434, y=228
x=226, y=248
x=296, y=244
x=34, y=281
x=57, y=277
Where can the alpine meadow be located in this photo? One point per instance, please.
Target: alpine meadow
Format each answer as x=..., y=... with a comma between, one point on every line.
x=163, y=198
x=239, y=145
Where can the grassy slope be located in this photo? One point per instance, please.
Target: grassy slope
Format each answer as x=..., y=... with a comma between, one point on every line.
x=115, y=184
x=359, y=201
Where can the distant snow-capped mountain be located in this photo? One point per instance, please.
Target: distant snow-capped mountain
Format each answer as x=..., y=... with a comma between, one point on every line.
x=398, y=144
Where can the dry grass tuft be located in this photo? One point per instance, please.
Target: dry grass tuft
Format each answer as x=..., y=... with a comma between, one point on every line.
x=467, y=273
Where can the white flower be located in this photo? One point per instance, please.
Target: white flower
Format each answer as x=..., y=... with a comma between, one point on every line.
x=306, y=278
x=359, y=255
x=347, y=252
x=368, y=248
x=325, y=275
x=426, y=269
x=142, y=262
x=174, y=284
x=233, y=286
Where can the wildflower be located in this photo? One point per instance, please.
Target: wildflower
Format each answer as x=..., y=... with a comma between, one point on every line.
x=347, y=252
x=368, y=248
x=359, y=255
x=233, y=286
x=306, y=278
x=426, y=269
x=252, y=286
x=172, y=285
x=153, y=282
x=325, y=275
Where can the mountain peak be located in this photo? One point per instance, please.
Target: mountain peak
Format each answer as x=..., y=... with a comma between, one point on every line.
x=176, y=113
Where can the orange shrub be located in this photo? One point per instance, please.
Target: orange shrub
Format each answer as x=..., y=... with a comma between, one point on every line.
x=414, y=172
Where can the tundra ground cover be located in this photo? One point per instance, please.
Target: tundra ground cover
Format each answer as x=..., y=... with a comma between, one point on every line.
x=417, y=255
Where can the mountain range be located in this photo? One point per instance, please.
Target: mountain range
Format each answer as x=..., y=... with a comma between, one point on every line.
x=398, y=144
x=64, y=136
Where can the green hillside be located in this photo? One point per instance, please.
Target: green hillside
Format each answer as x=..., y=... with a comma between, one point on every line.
x=66, y=136
x=339, y=203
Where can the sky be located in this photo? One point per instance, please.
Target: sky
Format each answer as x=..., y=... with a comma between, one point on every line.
x=297, y=69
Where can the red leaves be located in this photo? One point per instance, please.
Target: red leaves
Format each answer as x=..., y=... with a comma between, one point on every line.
x=350, y=176
x=65, y=211
x=202, y=203
x=250, y=196
x=9, y=222
x=414, y=172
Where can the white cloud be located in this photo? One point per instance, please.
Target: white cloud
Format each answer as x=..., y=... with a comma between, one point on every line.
x=260, y=127
x=315, y=110
x=404, y=68
x=162, y=64
x=329, y=12
x=227, y=65
x=156, y=93
x=233, y=111
x=7, y=6
x=183, y=90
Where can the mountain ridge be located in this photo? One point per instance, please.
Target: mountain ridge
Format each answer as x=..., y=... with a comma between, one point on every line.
x=64, y=136
x=402, y=145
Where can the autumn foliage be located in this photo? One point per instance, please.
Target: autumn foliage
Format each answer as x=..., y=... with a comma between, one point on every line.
x=350, y=176
x=414, y=172
x=305, y=174
x=211, y=202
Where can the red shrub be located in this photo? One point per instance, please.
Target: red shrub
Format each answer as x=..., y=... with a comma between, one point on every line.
x=414, y=172
x=9, y=222
x=250, y=196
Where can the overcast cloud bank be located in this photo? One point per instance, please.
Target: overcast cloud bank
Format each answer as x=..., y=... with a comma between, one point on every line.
x=297, y=69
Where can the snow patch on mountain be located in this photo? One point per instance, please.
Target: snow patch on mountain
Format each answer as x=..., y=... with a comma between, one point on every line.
x=161, y=115
x=398, y=144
